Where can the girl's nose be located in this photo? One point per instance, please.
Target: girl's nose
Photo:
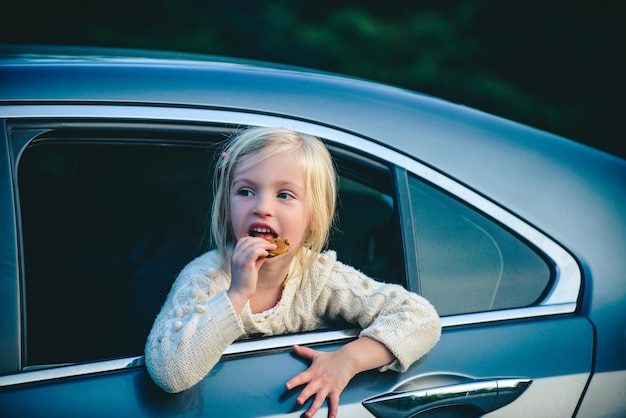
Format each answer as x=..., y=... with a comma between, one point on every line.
x=263, y=205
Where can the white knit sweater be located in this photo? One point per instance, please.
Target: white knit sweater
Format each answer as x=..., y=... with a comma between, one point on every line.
x=197, y=322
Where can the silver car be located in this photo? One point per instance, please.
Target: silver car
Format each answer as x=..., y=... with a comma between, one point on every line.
x=517, y=236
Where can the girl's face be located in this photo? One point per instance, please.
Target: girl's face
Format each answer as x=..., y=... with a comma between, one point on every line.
x=269, y=200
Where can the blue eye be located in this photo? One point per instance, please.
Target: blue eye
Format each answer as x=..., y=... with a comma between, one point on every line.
x=284, y=195
x=244, y=192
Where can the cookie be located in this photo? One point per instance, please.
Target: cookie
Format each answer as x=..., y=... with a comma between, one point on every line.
x=282, y=247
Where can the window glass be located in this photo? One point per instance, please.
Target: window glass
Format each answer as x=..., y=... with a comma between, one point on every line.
x=107, y=224
x=105, y=229
x=469, y=263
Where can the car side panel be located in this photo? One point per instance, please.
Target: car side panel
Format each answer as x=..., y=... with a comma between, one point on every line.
x=602, y=395
x=249, y=386
x=554, y=352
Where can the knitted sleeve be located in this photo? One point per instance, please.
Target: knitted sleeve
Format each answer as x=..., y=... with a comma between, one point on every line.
x=196, y=324
x=406, y=323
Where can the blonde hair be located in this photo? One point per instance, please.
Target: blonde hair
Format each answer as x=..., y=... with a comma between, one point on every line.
x=320, y=182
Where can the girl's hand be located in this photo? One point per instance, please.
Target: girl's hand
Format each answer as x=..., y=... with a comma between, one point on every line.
x=327, y=377
x=330, y=372
x=248, y=256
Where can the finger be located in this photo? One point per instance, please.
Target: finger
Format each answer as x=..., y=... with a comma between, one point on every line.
x=306, y=393
x=298, y=380
x=251, y=250
x=264, y=250
x=333, y=405
x=305, y=352
x=315, y=406
x=245, y=243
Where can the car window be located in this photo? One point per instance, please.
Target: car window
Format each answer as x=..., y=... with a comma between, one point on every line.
x=469, y=263
x=366, y=233
x=108, y=221
x=103, y=223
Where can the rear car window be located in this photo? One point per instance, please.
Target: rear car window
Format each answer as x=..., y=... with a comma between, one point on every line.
x=469, y=263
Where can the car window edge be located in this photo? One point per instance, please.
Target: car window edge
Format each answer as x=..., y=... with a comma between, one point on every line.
x=258, y=346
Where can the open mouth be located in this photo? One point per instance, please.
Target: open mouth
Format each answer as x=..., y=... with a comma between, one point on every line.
x=264, y=233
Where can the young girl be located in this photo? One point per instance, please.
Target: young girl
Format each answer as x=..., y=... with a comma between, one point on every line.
x=278, y=183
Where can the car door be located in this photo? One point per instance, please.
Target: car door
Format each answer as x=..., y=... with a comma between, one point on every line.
x=113, y=204
x=507, y=297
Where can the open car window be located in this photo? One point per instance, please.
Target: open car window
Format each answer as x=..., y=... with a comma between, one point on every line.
x=106, y=228
x=109, y=219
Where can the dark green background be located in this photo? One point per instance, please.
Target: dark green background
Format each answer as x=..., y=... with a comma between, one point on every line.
x=556, y=65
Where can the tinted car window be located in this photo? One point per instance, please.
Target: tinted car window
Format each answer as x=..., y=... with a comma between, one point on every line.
x=107, y=224
x=467, y=262
x=104, y=223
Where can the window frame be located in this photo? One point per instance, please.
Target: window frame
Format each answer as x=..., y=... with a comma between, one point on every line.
x=113, y=140
x=562, y=299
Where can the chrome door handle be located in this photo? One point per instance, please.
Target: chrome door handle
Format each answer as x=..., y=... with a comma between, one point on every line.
x=473, y=395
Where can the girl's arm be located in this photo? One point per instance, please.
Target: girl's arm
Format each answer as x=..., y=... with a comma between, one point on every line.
x=399, y=327
x=192, y=330
x=404, y=322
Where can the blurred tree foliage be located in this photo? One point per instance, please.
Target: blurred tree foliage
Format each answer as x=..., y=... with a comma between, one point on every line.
x=553, y=64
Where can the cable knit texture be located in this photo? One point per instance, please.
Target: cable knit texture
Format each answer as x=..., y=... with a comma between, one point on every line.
x=197, y=322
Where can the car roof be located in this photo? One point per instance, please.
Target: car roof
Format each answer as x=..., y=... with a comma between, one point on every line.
x=532, y=172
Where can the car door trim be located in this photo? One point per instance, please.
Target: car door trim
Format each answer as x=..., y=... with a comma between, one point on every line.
x=283, y=342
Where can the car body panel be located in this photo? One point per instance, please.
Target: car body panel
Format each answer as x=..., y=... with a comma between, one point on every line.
x=475, y=351
x=557, y=191
x=604, y=393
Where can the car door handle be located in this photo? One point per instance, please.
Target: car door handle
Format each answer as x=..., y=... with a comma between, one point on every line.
x=472, y=396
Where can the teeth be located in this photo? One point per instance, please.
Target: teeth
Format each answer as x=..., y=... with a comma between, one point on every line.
x=261, y=231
